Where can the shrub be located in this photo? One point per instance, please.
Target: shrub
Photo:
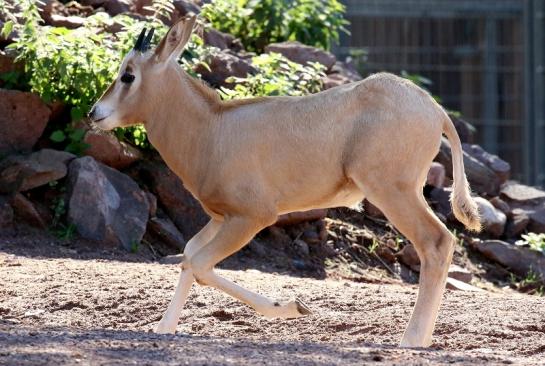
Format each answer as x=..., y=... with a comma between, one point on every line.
x=277, y=76
x=534, y=241
x=260, y=22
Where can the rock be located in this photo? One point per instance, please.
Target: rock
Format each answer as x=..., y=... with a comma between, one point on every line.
x=72, y=15
x=215, y=38
x=334, y=80
x=436, y=175
x=497, y=165
x=386, y=254
x=116, y=7
x=346, y=69
x=302, y=54
x=152, y=201
x=105, y=205
x=164, y=230
x=8, y=64
x=180, y=206
x=454, y=284
x=25, y=209
x=409, y=257
x=107, y=149
x=537, y=221
x=372, y=210
x=24, y=172
x=258, y=248
x=465, y=129
x=501, y=205
x=301, y=247
x=311, y=237
x=22, y=121
x=440, y=202
x=493, y=220
x=6, y=213
x=185, y=7
x=71, y=22
x=520, y=194
x=519, y=260
x=517, y=223
x=299, y=217
x=481, y=178
x=459, y=273
x=223, y=65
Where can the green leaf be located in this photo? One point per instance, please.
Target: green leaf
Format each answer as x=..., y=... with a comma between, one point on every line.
x=57, y=136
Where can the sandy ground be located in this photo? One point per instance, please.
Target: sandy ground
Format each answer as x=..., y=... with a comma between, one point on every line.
x=58, y=307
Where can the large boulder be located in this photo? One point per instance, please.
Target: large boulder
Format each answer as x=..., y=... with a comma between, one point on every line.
x=24, y=172
x=180, y=206
x=222, y=65
x=520, y=260
x=517, y=194
x=106, y=205
x=163, y=229
x=497, y=165
x=481, y=178
x=223, y=41
x=302, y=54
x=107, y=149
x=492, y=219
x=22, y=121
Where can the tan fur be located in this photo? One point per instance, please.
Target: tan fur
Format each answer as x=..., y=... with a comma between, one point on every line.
x=247, y=161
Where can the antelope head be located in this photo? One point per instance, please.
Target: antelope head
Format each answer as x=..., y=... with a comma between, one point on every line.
x=142, y=72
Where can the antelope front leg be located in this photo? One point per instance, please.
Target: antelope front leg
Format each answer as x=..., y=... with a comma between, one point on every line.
x=232, y=236
x=171, y=317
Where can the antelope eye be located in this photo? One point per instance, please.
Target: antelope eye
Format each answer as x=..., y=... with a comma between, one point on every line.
x=127, y=78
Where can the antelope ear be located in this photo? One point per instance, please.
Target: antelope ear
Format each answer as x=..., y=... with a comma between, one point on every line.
x=173, y=43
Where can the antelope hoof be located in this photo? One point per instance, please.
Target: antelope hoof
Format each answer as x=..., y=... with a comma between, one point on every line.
x=164, y=329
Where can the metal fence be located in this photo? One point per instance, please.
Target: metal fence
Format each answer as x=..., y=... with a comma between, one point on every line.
x=483, y=57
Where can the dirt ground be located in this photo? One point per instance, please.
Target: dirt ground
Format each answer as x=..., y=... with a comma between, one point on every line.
x=69, y=304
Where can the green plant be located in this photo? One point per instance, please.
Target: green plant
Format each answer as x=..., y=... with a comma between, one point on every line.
x=260, y=22
x=534, y=241
x=135, y=245
x=74, y=138
x=276, y=76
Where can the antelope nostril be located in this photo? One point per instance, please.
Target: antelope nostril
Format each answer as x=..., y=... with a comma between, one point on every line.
x=91, y=113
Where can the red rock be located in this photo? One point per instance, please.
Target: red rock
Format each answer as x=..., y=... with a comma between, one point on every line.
x=492, y=219
x=517, y=224
x=180, y=206
x=501, y=205
x=537, y=221
x=519, y=260
x=521, y=194
x=436, y=175
x=372, y=210
x=6, y=213
x=107, y=149
x=164, y=230
x=302, y=54
x=22, y=121
x=215, y=38
x=223, y=65
x=25, y=209
x=459, y=273
x=409, y=257
x=497, y=165
x=24, y=172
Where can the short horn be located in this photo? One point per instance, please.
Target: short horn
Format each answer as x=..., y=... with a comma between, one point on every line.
x=138, y=44
x=147, y=40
